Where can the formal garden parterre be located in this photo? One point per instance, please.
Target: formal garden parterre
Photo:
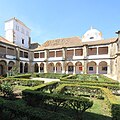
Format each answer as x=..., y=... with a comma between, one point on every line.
x=75, y=97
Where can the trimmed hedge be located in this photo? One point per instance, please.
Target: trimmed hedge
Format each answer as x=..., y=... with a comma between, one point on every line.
x=50, y=75
x=89, y=81
x=90, y=77
x=113, y=86
x=111, y=100
x=28, y=75
x=113, y=103
x=80, y=90
x=46, y=87
x=37, y=98
x=23, y=82
x=18, y=110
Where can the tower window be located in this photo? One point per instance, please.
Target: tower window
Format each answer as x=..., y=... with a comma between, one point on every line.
x=17, y=27
x=91, y=37
x=22, y=41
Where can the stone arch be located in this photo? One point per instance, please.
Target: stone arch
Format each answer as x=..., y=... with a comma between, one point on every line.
x=26, y=68
x=58, y=67
x=10, y=65
x=78, y=68
x=91, y=67
x=51, y=68
x=102, y=68
x=42, y=67
x=36, y=67
x=3, y=67
x=70, y=68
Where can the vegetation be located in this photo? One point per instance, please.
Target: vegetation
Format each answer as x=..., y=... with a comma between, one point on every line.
x=6, y=89
x=78, y=104
x=50, y=75
x=75, y=97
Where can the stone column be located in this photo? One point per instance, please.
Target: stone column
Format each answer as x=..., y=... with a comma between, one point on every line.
x=64, y=53
x=74, y=69
x=73, y=52
x=45, y=67
x=63, y=67
x=85, y=51
x=55, y=54
x=97, y=69
x=46, y=61
x=6, y=50
x=97, y=50
x=46, y=54
x=54, y=68
x=85, y=67
x=108, y=69
x=39, y=67
x=23, y=67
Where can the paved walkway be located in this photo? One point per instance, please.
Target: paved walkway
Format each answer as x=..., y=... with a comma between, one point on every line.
x=45, y=79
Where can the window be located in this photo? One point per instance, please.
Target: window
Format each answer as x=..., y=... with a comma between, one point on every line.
x=78, y=52
x=27, y=33
x=17, y=27
x=90, y=68
x=104, y=68
x=52, y=54
x=70, y=68
x=22, y=41
x=42, y=55
x=102, y=50
x=10, y=51
x=92, y=51
x=21, y=53
x=59, y=53
x=25, y=55
x=36, y=55
x=91, y=37
x=41, y=68
x=22, y=30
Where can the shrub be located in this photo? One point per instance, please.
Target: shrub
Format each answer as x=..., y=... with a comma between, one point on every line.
x=80, y=90
x=23, y=82
x=78, y=104
x=115, y=109
x=49, y=87
x=7, y=89
x=22, y=76
x=49, y=75
x=19, y=111
x=113, y=103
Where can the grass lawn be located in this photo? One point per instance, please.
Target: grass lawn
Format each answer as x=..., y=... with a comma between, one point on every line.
x=99, y=111
x=18, y=87
x=118, y=98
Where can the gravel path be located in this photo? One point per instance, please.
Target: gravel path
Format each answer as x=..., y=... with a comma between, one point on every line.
x=45, y=79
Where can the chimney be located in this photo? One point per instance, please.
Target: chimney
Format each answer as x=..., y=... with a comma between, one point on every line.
x=118, y=43
x=118, y=32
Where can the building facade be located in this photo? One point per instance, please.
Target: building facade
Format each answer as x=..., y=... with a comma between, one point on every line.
x=90, y=54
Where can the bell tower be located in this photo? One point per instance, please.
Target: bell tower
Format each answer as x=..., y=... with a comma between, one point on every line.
x=17, y=32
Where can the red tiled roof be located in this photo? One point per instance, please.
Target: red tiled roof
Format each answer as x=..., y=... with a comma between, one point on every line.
x=2, y=39
x=100, y=42
x=61, y=42
x=71, y=42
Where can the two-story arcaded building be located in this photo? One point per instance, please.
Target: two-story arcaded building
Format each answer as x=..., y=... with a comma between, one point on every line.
x=90, y=54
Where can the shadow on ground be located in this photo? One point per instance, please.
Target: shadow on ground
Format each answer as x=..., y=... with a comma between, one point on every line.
x=93, y=116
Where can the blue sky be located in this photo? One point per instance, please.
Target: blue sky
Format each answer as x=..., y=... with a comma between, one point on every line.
x=50, y=19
